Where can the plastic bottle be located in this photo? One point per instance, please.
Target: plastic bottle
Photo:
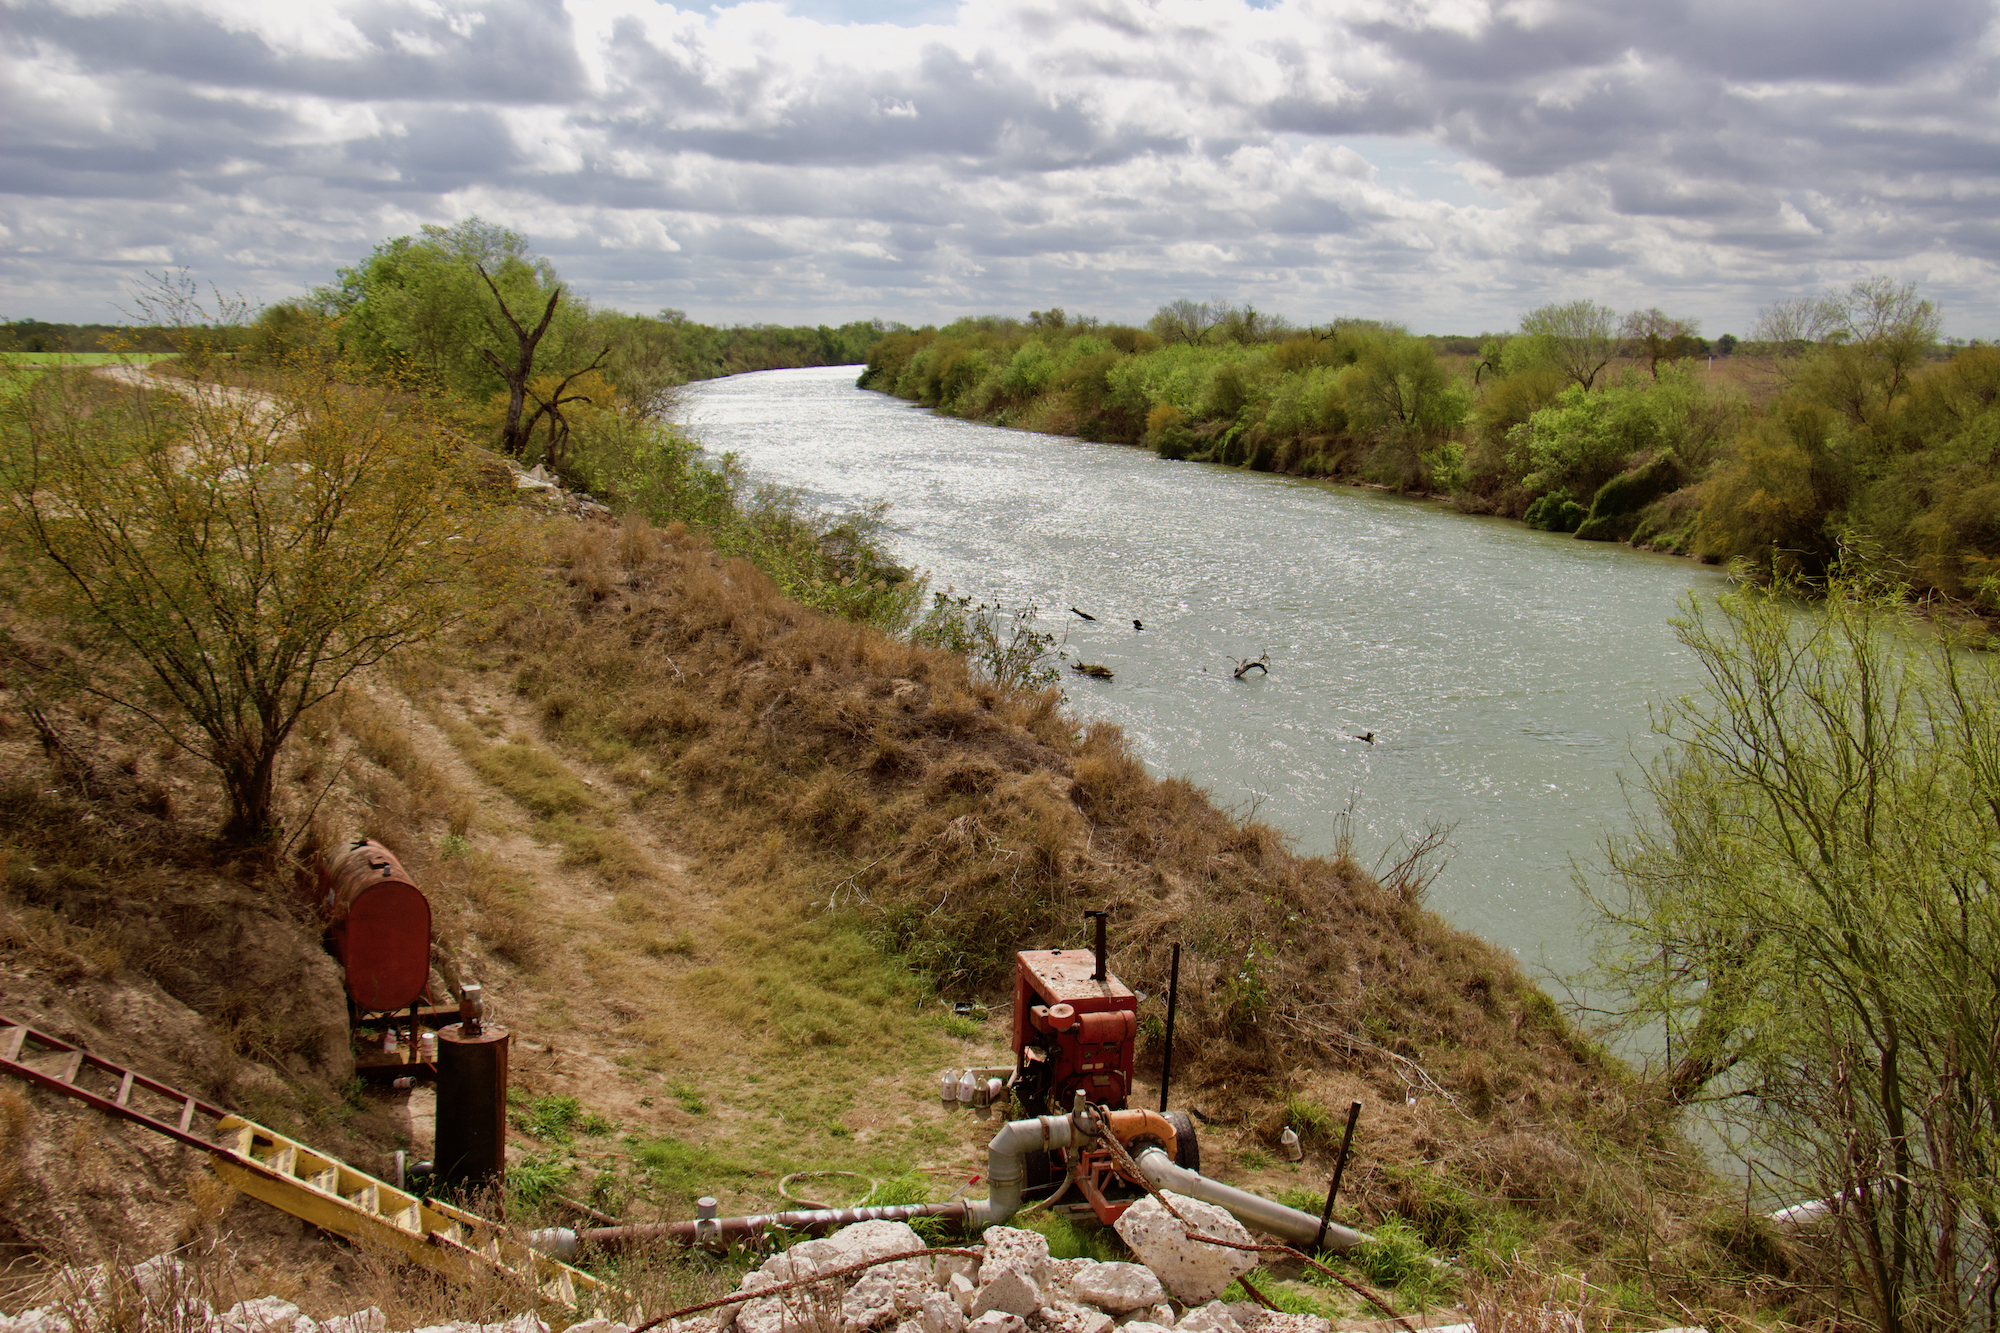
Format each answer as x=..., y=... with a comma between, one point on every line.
x=1290, y=1143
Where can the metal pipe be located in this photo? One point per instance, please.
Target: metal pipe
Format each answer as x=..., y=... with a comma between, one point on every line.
x=1173, y=1002
x=1339, y=1169
x=1004, y=1170
x=1004, y=1175
x=721, y=1232
x=1287, y=1224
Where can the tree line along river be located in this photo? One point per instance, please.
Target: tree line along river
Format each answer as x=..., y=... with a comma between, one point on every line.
x=1505, y=674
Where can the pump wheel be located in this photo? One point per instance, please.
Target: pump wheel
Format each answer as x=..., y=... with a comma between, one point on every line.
x=1187, y=1148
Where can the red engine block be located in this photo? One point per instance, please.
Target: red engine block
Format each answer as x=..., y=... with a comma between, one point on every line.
x=1074, y=1029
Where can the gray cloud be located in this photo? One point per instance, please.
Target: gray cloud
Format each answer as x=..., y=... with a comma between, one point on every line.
x=744, y=164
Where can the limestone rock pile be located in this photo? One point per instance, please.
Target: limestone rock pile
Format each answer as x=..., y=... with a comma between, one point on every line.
x=1014, y=1286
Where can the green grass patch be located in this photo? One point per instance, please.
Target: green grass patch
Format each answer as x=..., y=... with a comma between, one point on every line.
x=685, y=1169
x=536, y=1178
x=39, y=359
x=535, y=779
x=1075, y=1240
x=1288, y=1299
x=556, y=1119
x=1397, y=1257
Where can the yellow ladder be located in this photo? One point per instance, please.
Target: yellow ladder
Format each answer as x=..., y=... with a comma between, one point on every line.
x=335, y=1197
x=287, y=1174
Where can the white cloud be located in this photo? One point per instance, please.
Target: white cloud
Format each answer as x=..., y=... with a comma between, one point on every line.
x=1443, y=162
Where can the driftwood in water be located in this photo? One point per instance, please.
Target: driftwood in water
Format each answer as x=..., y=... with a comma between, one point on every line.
x=1085, y=614
x=1253, y=663
x=1091, y=669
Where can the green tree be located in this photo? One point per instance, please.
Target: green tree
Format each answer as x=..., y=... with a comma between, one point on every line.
x=1807, y=908
x=1408, y=405
x=1188, y=321
x=1655, y=336
x=218, y=561
x=468, y=312
x=1576, y=339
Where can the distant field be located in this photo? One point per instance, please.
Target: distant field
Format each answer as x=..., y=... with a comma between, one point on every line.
x=81, y=358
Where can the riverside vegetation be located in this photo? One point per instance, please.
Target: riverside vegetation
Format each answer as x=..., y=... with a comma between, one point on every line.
x=1845, y=427
x=703, y=798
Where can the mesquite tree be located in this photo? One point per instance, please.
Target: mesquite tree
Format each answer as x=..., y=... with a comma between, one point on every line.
x=217, y=561
x=1808, y=912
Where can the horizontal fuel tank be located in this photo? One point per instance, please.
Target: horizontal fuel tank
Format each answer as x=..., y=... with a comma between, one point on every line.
x=380, y=923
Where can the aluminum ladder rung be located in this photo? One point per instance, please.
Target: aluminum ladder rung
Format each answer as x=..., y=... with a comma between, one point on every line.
x=10, y=1045
x=124, y=1097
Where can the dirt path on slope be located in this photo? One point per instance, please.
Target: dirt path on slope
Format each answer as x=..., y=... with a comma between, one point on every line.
x=646, y=1004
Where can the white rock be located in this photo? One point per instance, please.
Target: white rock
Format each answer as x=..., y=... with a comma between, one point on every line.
x=851, y=1245
x=947, y=1264
x=1011, y=1247
x=1276, y=1321
x=371, y=1320
x=1141, y=1326
x=1211, y=1318
x=765, y=1316
x=41, y=1319
x=1069, y=1317
x=1192, y=1271
x=1117, y=1288
x=266, y=1314
x=1060, y=1271
x=600, y=1326
x=869, y=1303
x=962, y=1291
x=997, y=1321
x=1013, y=1292
x=941, y=1314
x=1163, y=1314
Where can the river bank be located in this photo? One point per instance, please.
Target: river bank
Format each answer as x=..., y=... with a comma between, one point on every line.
x=1504, y=673
x=703, y=846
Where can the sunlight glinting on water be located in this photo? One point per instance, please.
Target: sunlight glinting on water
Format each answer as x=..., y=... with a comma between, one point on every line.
x=1505, y=674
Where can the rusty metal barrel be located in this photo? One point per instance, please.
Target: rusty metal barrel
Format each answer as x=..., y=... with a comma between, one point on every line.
x=381, y=926
x=471, y=1148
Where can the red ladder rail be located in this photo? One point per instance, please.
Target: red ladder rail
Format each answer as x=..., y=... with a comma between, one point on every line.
x=64, y=1067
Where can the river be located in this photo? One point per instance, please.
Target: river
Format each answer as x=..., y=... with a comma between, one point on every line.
x=1505, y=674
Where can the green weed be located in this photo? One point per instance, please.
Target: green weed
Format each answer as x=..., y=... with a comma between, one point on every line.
x=685, y=1169
x=536, y=1177
x=1396, y=1256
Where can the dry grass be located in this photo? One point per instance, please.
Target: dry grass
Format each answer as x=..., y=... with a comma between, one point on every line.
x=954, y=823
x=870, y=827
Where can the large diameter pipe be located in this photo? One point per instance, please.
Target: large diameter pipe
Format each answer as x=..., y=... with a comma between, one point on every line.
x=1287, y=1224
x=1005, y=1172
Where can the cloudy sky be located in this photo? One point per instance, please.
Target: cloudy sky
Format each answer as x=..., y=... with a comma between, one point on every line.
x=1445, y=163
